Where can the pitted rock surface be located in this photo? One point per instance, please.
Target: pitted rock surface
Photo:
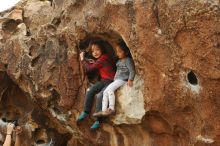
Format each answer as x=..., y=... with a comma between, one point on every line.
x=176, y=49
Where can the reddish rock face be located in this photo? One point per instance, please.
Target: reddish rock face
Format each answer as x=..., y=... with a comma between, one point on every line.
x=176, y=48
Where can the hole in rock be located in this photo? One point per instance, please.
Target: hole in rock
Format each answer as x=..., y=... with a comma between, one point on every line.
x=191, y=77
x=33, y=49
x=56, y=21
x=35, y=61
x=40, y=141
x=57, y=138
x=40, y=136
x=50, y=136
x=4, y=119
x=9, y=25
x=56, y=110
x=6, y=66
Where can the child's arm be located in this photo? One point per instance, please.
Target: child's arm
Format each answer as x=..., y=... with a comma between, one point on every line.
x=91, y=66
x=18, y=130
x=130, y=83
x=10, y=128
x=131, y=68
x=96, y=65
x=82, y=56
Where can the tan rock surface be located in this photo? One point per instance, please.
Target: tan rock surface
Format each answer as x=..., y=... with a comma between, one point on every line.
x=176, y=48
x=130, y=103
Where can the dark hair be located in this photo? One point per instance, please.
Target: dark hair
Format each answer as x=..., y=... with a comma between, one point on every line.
x=124, y=48
x=99, y=43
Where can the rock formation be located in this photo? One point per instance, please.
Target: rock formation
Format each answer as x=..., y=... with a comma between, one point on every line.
x=176, y=48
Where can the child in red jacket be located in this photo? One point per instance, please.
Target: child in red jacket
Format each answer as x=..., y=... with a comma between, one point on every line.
x=106, y=68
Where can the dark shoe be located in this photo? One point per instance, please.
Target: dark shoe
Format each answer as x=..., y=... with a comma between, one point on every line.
x=108, y=112
x=98, y=114
x=95, y=126
x=82, y=116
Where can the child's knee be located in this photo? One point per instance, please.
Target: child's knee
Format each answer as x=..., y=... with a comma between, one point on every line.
x=99, y=95
x=105, y=93
x=110, y=93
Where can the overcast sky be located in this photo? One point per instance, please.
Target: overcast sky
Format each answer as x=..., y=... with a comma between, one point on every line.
x=7, y=4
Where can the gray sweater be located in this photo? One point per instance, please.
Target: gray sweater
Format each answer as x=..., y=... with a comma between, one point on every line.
x=125, y=69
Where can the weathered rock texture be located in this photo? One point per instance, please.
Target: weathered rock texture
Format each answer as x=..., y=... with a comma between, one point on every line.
x=176, y=48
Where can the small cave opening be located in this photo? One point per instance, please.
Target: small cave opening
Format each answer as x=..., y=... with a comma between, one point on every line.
x=192, y=79
x=56, y=21
x=109, y=40
x=4, y=119
x=40, y=136
x=10, y=25
x=50, y=136
x=40, y=141
x=6, y=66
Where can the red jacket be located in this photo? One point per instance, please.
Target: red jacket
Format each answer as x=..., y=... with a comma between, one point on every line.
x=104, y=64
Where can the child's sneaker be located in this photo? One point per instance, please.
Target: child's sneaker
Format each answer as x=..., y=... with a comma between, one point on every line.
x=95, y=126
x=108, y=112
x=98, y=114
x=82, y=116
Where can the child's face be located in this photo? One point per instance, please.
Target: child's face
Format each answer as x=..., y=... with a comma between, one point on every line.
x=96, y=51
x=120, y=53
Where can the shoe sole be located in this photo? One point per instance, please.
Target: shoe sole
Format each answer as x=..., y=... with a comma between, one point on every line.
x=94, y=129
x=97, y=116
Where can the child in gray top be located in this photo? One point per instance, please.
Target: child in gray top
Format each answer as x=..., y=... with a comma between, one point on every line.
x=125, y=69
x=125, y=73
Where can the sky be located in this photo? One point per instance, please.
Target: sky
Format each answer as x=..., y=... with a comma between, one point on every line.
x=7, y=4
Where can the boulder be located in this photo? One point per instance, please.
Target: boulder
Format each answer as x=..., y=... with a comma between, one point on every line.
x=130, y=103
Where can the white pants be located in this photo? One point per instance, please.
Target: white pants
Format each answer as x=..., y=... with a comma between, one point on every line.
x=109, y=95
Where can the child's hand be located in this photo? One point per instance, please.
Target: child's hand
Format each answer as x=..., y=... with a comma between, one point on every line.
x=10, y=128
x=82, y=54
x=18, y=130
x=130, y=83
